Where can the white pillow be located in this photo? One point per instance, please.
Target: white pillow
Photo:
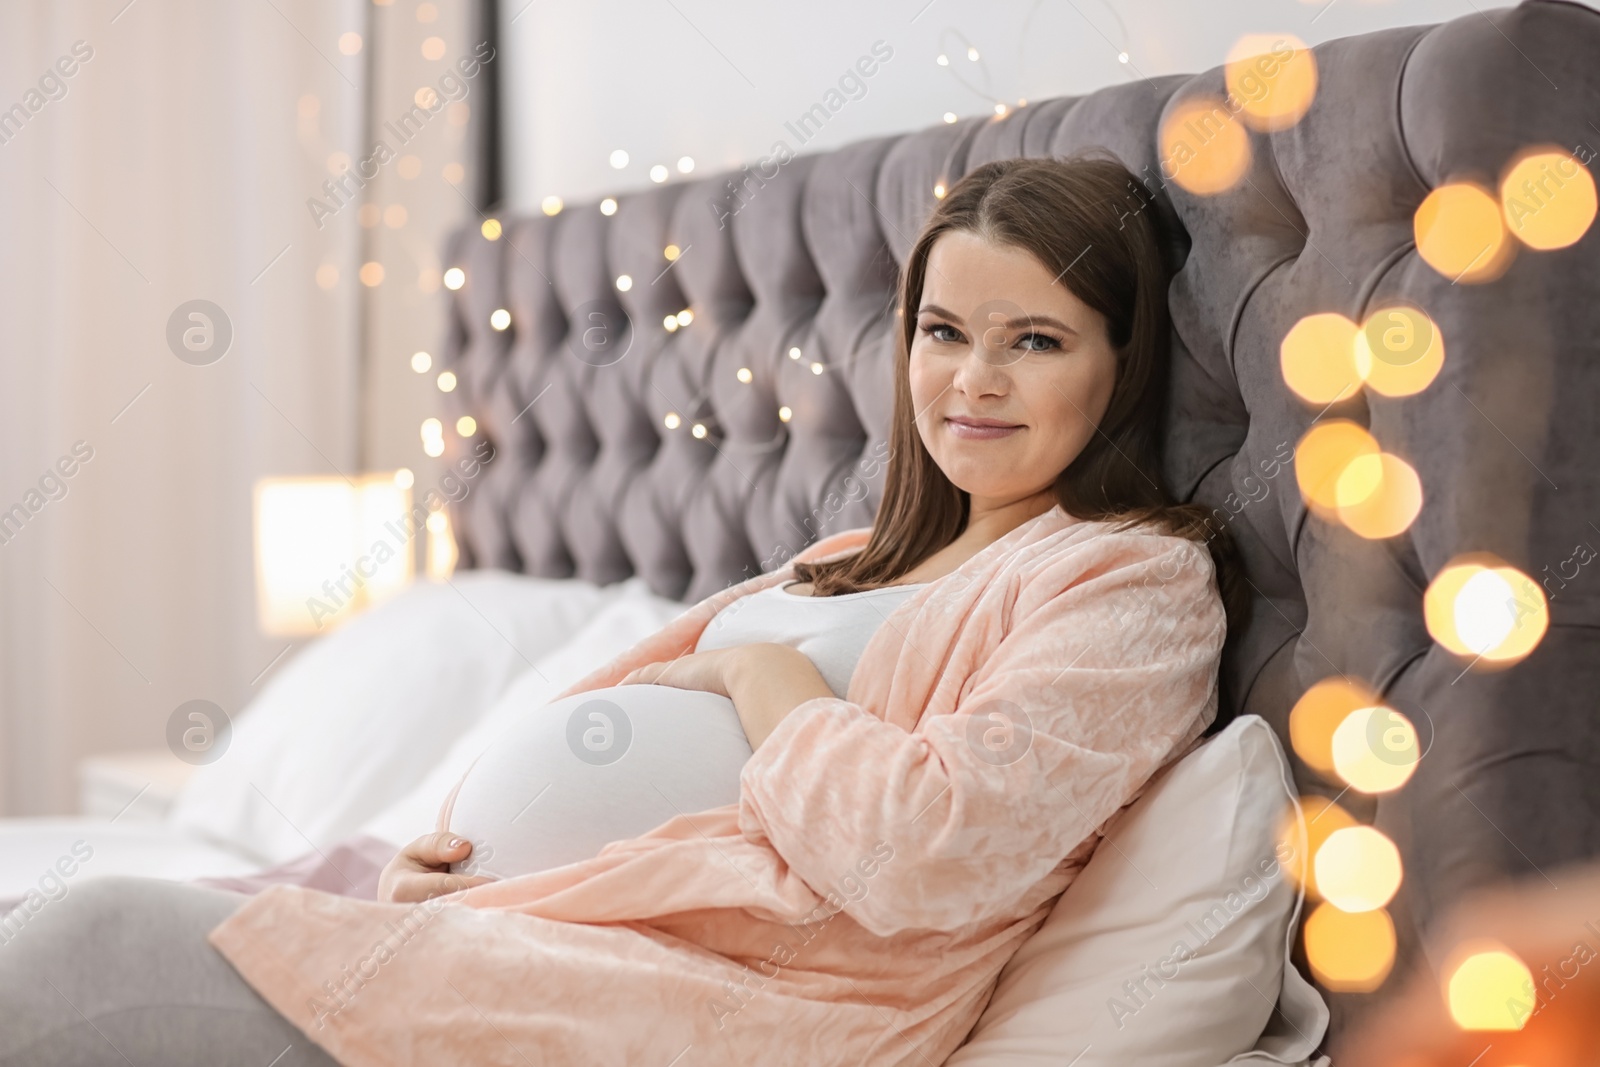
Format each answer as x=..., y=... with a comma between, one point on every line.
x=358, y=716
x=1192, y=863
x=630, y=618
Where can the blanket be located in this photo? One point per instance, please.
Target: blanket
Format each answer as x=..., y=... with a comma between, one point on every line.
x=888, y=854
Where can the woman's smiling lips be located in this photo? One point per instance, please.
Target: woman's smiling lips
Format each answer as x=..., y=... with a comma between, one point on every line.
x=976, y=429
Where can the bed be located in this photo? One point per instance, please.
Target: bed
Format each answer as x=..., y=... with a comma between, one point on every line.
x=664, y=424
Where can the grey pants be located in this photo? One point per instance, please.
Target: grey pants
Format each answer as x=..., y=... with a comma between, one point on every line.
x=119, y=972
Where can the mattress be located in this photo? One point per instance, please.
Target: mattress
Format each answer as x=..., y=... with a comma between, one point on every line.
x=51, y=855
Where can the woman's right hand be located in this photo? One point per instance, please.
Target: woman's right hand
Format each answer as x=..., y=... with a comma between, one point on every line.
x=421, y=870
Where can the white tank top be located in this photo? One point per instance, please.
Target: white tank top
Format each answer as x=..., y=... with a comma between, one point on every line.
x=567, y=778
x=831, y=631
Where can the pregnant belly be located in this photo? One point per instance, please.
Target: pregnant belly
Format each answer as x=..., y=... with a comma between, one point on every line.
x=607, y=765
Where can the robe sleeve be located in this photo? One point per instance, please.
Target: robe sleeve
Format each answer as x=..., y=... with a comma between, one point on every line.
x=1107, y=667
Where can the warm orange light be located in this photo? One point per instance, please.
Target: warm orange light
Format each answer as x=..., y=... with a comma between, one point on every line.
x=1460, y=233
x=1488, y=987
x=1375, y=749
x=1321, y=458
x=1480, y=606
x=1202, y=147
x=1357, y=869
x=1350, y=952
x=1548, y=198
x=1398, y=351
x=1318, y=713
x=1274, y=77
x=326, y=547
x=1317, y=358
x=1379, y=496
x=1323, y=818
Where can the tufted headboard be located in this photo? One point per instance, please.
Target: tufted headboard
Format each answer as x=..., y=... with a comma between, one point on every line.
x=704, y=453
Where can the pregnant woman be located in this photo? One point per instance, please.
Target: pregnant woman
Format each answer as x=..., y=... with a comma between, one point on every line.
x=877, y=767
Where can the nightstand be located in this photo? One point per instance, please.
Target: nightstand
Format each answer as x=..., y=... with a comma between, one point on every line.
x=149, y=778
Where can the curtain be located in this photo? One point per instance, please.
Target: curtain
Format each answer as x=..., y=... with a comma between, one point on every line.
x=178, y=319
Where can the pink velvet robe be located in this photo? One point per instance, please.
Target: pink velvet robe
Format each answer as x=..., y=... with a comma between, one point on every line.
x=887, y=856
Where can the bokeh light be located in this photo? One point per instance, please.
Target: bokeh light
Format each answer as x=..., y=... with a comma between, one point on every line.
x=1461, y=234
x=1480, y=606
x=1317, y=358
x=455, y=278
x=1274, y=77
x=1349, y=952
x=491, y=229
x=1320, y=460
x=1488, y=987
x=1205, y=150
x=1357, y=869
x=1548, y=198
x=1323, y=818
x=1375, y=749
x=1398, y=351
x=1379, y=496
x=1318, y=714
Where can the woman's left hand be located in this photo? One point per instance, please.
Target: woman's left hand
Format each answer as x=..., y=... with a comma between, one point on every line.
x=705, y=671
x=765, y=682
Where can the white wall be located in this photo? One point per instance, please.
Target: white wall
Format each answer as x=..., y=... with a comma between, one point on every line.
x=716, y=80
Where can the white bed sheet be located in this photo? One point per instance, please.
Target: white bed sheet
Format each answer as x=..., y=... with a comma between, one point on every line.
x=40, y=852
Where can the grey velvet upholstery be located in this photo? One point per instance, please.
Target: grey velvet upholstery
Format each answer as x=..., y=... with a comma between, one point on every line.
x=589, y=481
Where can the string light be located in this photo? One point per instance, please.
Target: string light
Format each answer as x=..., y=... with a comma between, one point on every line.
x=670, y=322
x=624, y=282
x=816, y=368
x=455, y=278
x=500, y=318
x=608, y=206
x=491, y=229
x=658, y=173
x=949, y=116
x=619, y=159
x=672, y=421
x=671, y=252
x=794, y=353
x=744, y=375
x=685, y=317
x=446, y=381
x=551, y=205
x=785, y=413
x=685, y=164
x=466, y=426
x=404, y=479
x=420, y=362
x=699, y=431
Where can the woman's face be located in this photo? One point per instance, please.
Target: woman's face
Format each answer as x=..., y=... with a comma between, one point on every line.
x=1010, y=372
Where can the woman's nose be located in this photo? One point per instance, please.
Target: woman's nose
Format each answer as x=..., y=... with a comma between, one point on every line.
x=982, y=371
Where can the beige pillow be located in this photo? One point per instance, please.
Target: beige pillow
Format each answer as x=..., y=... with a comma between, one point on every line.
x=1171, y=949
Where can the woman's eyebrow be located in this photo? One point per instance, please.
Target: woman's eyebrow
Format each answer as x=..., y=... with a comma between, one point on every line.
x=1025, y=320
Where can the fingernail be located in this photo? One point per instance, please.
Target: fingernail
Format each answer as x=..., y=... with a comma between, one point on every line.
x=455, y=842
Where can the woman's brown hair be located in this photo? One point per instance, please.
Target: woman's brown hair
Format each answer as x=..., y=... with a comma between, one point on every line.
x=1092, y=226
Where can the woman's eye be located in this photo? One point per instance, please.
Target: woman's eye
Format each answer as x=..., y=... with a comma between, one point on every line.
x=1038, y=342
x=941, y=331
